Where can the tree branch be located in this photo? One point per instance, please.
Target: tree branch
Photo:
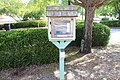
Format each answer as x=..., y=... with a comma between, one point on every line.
x=76, y=2
x=99, y=3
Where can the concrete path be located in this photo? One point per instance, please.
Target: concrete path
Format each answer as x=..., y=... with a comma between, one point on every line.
x=115, y=36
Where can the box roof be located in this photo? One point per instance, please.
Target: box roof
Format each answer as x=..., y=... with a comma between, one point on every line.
x=61, y=11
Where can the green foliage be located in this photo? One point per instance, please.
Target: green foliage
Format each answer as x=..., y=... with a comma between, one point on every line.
x=33, y=15
x=37, y=8
x=111, y=8
x=64, y=2
x=31, y=46
x=30, y=23
x=13, y=8
x=116, y=5
x=79, y=33
x=25, y=47
x=79, y=23
x=105, y=10
x=112, y=23
x=100, y=36
x=1, y=26
x=34, y=9
x=105, y=19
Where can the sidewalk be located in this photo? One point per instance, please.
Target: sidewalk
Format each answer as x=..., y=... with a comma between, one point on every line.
x=115, y=36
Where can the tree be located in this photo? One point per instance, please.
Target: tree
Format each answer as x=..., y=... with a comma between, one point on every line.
x=34, y=9
x=116, y=5
x=37, y=8
x=105, y=10
x=64, y=2
x=13, y=8
x=90, y=7
x=112, y=8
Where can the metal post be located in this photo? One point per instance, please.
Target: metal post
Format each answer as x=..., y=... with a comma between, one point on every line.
x=68, y=2
x=61, y=60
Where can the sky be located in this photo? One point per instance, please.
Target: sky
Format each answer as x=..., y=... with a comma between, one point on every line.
x=25, y=1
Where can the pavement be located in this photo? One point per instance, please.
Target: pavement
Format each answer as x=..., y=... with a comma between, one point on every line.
x=115, y=35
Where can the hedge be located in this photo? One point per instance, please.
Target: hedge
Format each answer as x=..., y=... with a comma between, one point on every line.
x=100, y=34
x=113, y=23
x=29, y=23
x=1, y=26
x=105, y=19
x=25, y=47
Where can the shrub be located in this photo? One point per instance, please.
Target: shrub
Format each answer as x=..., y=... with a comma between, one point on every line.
x=31, y=46
x=100, y=34
x=30, y=23
x=113, y=23
x=79, y=31
x=105, y=19
x=24, y=47
x=1, y=26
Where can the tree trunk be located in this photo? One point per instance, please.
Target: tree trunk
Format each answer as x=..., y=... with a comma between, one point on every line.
x=86, y=42
x=119, y=16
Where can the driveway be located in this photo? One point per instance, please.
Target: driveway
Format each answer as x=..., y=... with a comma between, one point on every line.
x=115, y=36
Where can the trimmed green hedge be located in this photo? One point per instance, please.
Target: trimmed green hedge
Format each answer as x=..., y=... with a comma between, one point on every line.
x=1, y=26
x=31, y=46
x=113, y=23
x=100, y=36
x=29, y=23
x=24, y=47
x=105, y=19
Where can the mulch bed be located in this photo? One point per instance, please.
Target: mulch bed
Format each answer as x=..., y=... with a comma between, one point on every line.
x=101, y=64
